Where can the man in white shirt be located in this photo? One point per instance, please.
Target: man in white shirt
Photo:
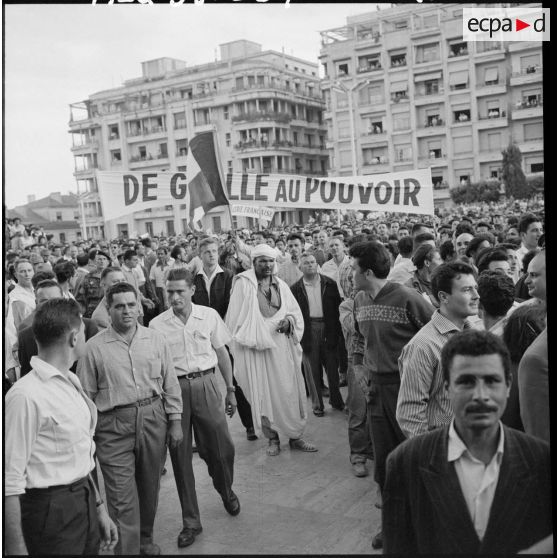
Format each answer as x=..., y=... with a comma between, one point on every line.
x=474, y=486
x=530, y=230
x=52, y=506
x=197, y=337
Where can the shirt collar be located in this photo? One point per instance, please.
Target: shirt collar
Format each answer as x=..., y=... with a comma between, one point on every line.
x=197, y=313
x=443, y=324
x=217, y=270
x=313, y=284
x=112, y=335
x=456, y=446
x=44, y=370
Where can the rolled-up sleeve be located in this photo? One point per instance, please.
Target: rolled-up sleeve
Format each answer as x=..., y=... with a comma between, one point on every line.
x=172, y=394
x=21, y=427
x=87, y=371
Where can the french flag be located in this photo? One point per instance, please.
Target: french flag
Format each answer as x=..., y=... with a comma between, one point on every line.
x=204, y=181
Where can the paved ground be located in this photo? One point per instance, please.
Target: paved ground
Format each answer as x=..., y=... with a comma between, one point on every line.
x=295, y=503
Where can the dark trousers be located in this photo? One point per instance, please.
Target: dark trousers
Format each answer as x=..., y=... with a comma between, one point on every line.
x=384, y=429
x=243, y=407
x=61, y=520
x=320, y=354
x=131, y=449
x=342, y=355
x=204, y=410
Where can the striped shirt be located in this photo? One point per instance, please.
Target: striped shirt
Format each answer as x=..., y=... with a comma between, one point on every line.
x=423, y=403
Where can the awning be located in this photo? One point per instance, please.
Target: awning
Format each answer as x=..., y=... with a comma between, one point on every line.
x=459, y=78
x=399, y=86
x=491, y=74
x=428, y=77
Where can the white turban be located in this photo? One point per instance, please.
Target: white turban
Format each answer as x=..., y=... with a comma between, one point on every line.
x=263, y=250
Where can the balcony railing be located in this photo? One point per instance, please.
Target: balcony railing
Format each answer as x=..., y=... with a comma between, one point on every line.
x=493, y=114
x=396, y=98
x=275, y=170
x=528, y=104
x=148, y=157
x=528, y=70
x=262, y=115
x=463, y=51
x=277, y=87
x=398, y=63
x=490, y=83
x=381, y=160
x=440, y=185
x=434, y=123
x=369, y=68
x=374, y=131
x=429, y=92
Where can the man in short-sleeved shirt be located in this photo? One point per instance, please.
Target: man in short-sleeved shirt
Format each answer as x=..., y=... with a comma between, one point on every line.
x=197, y=337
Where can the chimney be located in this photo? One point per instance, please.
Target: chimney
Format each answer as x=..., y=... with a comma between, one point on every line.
x=31, y=198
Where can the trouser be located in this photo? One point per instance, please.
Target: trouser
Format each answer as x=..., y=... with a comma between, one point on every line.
x=203, y=409
x=384, y=430
x=320, y=354
x=131, y=449
x=60, y=519
x=360, y=443
x=342, y=354
x=242, y=405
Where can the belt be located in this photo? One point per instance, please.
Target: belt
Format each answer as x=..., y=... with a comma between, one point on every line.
x=59, y=488
x=385, y=378
x=194, y=375
x=316, y=319
x=141, y=403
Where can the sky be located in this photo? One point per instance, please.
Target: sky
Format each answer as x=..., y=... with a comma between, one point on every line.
x=55, y=55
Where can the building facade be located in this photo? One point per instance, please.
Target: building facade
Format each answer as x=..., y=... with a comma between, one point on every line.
x=404, y=91
x=265, y=107
x=56, y=214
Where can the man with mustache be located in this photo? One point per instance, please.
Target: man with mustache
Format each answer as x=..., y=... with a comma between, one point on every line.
x=474, y=486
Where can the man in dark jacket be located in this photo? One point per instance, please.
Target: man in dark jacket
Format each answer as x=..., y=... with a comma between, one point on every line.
x=213, y=288
x=319, y=300
x=475, y=486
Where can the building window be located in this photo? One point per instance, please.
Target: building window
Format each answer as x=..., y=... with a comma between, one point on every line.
x=181, y=168
x=458, y=49
x=142, y=150
x=463, y=144
x=537, y=167
x=462, y=115
x=229, y=166
x=162, y=153
x=62, y=237
x=401, y=24
x=427, y=53
x=59, y=216
x=530, y=64
x=459, y=80
x=401, y=121
x=494, y=141
x=228, y=139
x=179, y=120
x=494, y=172
x=398, y=60
x=491, y=75
x=533, y=131
x=464, y=179
x=113, y=132
x=115, y=156
x=368, y=63
x=342, y=69
x=216, y=224
x=149, y=228
x=226, y=112
x=170, y=227
x=531, y=98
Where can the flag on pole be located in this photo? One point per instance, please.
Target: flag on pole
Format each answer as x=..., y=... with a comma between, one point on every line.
x=204, y=182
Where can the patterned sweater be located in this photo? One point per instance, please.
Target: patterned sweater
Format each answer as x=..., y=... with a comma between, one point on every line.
x=385, y=324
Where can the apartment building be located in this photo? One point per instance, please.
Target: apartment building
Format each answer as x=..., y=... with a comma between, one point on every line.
x=404, y=91
x=265, y=107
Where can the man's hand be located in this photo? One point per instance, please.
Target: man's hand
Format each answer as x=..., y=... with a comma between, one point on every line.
x=361, y=376
x=174, y=434
x=109, y=532
x=284, y=326
x=230, y=403
x=148, y=303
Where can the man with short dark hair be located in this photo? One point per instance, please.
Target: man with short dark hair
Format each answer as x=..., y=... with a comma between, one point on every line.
x=197, y=338
x=496, y=293
x=530, y=229
x=51, y=504
x=109, y=277
x=289, y=271
x=90, y=293
x=494, y=259
x=422, y=403
x=319, y=300
x=387, y=316
x=474, y=487
x=127, y=370
x=403, y=267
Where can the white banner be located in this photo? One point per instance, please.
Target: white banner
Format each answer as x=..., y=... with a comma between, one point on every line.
x=265, y=213
x=404, y=192
x=123, y=193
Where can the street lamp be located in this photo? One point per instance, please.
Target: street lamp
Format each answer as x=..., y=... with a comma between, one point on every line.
x=339, y=86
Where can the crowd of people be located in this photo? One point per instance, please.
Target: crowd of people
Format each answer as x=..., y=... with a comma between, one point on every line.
x=436, y=327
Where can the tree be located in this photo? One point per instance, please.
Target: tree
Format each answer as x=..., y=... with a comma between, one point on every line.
x=513, y=175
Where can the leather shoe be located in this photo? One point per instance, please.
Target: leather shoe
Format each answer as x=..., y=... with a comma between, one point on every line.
x=318, y=412
x=188, y=535
x=251, y=434
x=232, y=505
x=301, y=445
x=149, y=549
x=359, y=469
x=378, y=541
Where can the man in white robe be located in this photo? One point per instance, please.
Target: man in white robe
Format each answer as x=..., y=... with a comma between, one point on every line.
x=266, y=324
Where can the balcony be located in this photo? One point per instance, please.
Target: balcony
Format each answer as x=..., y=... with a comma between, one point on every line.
x=434, y=159
x=398, y=62
x=376, y=165
x=531, y=146
x=276, y=87
x=434, y=127
x=491, y=53
x=485, y=89
x=85, y=173
x=274, y=170
x=369, y=68
x=88, y=145
x=139, y=161
x=255, y=116
x=399, y=98
x=531, y=74
x=527, y=109
x=490, y=155
x=266, y=145
x=374, y=137
x=493, y=119
x=147, y=133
